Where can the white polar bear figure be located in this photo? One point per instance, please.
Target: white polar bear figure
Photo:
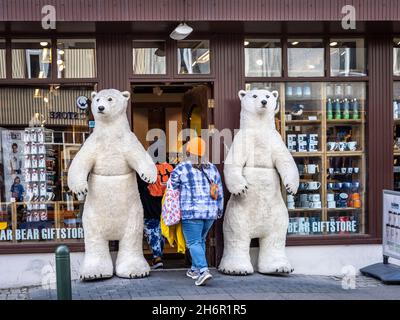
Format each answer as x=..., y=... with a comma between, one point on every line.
x=256, y=208
x=104, y=168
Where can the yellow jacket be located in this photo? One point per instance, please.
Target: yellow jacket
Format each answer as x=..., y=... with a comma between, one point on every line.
x=174, y=235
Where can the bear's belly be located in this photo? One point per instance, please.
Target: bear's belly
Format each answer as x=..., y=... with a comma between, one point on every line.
x=110, y=163
x=112, y=203
x=262, y=181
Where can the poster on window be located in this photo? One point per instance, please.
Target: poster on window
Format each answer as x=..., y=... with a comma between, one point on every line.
x=13, y=164
x=391, y=224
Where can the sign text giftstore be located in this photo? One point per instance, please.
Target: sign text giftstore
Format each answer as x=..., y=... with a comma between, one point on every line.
x=42, y=234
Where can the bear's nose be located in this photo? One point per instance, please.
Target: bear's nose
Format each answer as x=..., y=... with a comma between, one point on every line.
x=263, y=102
x=101, y=108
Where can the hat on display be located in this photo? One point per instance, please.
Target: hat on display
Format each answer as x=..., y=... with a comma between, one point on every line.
x=196, y=146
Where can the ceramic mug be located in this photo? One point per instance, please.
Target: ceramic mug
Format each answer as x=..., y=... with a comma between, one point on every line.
x=290, y=198
x=356, y=184
x=313, y=185
x=350, y=170
x=314, y=197
x=312, y=168
x=356, y=170
x=331, y=170
x=331, y=185
x=343, y=170
x=303, y=197
x=315, y=204
x=347, y=185
x=342, y=146
x=331, y=146
x=290, y=205
x=352, y=145
x=331, y=204
x=330, y=197
x=339, y=185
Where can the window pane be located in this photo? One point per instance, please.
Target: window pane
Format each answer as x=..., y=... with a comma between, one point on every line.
x=2, y=59
x=396, y=57
x=76, y=58
x=305, y=58
x=347, y=57
x=194, y=57
x=31, y=58
x=263, y=58
x=149, y=57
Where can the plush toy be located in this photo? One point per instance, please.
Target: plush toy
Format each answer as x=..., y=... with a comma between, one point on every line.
x=256, y=209
x=105, y=169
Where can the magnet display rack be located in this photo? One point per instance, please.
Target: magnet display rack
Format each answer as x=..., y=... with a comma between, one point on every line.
x=314, y=119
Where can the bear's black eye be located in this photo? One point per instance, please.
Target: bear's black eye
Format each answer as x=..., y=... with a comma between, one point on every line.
x=255, y=96
x=109, y=99
x=267, y=97
x=97, y=99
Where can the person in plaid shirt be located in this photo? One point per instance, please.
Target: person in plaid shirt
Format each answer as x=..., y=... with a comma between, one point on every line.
x=199, y=208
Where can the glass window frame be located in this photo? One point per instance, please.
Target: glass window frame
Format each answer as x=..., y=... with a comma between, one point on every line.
x=194, y=75
x=168, y=64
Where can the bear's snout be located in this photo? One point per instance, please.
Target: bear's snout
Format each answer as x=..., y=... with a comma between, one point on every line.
x=101, y=108
x=264, y=102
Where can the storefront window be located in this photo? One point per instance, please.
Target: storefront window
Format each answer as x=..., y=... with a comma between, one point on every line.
x=31, y=58
x=263, y=58
x=396, y=57
x=396, y=135
x=2, y=59
x=305, y=58
x=149, y=57
x=76, y=58
x=41, y=131
x=347, y=57
x=194, y=57
x=323, y=125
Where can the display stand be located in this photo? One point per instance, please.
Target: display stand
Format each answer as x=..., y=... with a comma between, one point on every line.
x=386, y=272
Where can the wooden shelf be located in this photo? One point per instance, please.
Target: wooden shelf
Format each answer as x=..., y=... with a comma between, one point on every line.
x=307, y=154
x=302, y=122
x=305, y=209
x=344, y=121
x=345, y=153
x=344, y=209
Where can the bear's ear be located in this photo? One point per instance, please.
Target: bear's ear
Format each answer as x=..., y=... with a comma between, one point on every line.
x=93, y=94
x=241, y=94
x=126, y=94
x=277, y=107
x=275, y=93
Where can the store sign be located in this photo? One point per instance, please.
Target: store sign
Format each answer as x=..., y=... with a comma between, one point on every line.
x=391, y=224
x=82, y=102
x=42, y=234
x=67, y=115
x=307, y=226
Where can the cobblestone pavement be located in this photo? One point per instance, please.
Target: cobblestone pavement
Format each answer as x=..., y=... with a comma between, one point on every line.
x=173, y=284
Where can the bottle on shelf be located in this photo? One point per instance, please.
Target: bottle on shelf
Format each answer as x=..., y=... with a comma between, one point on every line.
x=338, y=114
x=356, y=114
x=346, y=109
x=329, y=109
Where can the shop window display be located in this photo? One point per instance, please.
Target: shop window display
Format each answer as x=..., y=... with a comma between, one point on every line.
x=396, y=135
x=305, y=58
x=193, y=57
x=323, y=125
x=36, y=151
x=31, y=58
x=263, y=58
x=149, y=57
x=347, y=57
x=76, y=58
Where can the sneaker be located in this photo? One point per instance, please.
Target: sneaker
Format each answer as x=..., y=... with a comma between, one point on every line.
x=157, y=263
x=201, y=280
x=193, y=274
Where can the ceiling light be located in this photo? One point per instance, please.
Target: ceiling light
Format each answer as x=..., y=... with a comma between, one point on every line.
x=59, y=62
x=60, y=51
x=259, y=62
x=46, y=100
x=246, y=43
x=44, y=43
x=181, y=32
x=311, y=66
x=295, y=43
x=333, y=43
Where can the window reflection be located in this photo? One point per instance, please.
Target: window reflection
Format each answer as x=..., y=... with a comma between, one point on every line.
x=263, y=58
x=347, y=57
x=305, y=58
x=76, y=58
x=194, y=57
x=149, y=57
x=31, y=58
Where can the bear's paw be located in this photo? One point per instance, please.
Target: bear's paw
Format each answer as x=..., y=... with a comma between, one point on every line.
x=80, y=189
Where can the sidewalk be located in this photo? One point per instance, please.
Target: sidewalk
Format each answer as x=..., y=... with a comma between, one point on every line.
x=173, y=284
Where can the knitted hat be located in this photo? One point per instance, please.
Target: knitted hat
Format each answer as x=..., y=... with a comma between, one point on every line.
x=196, y=146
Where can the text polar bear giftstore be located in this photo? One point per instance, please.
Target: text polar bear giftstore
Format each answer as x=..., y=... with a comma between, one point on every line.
x=255, y=161
x=105, y=168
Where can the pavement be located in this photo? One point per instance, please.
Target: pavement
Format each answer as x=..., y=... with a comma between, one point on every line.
x=174, y=285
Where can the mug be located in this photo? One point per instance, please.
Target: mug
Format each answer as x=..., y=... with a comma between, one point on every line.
x=331, y=204
x=356, y=170
x=290, y=205
x=304, y=204
x=312, y=168
x=331, y=170
x=330, y=197
x=303, y=185
x=315, y=204
x=342, y=146
x=347, y=185
x=299, y=91
x=289, y=91
x=331, y=146
x=356, y=184
x=303, y=197
x=313, y=185
x=307, y=90
x=343, y=170
x=350, y=170
x=331, y=185
x=50, y=196
x=314, y=197
x=290, y=198
x=339, y=185
x=352, y=145
x=301, y=167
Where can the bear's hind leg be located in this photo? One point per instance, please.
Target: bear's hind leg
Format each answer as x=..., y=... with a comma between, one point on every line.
x=236, y=257
x=97, y=263
x=272, y=257
x=130, y=260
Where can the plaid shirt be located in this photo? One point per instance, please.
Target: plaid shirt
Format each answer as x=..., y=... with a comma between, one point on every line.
x=195, y=197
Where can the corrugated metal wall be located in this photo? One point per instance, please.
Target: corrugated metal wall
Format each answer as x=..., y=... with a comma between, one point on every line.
x=199, y=10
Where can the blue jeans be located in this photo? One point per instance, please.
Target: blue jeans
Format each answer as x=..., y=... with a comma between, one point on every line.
x=195, y=232
x=152, y=233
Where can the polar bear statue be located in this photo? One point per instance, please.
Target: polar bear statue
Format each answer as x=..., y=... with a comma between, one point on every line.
x=256, y=159
x=105, y=170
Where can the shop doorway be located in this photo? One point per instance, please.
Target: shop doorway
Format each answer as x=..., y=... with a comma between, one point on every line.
x=171, y=108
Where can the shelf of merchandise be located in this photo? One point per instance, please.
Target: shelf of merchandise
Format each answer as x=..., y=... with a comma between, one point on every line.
x=323, y=155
